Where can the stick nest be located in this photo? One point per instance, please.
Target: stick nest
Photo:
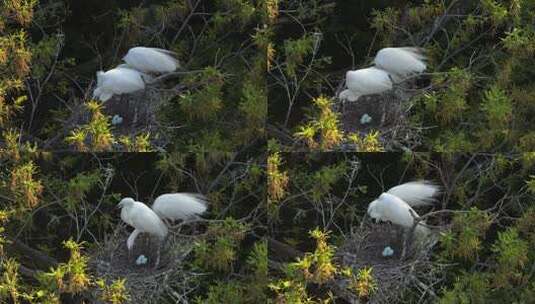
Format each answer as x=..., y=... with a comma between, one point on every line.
x=394, y=276
x=389, y=114
x=145, y=283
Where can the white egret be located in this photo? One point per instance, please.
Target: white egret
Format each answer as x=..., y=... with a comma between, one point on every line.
x=388, y=207
x=365, y=82
x=179, y=206
x=119, y=80
x=151, y=60
x=400, y=62
x=395, y=206
x=144, y=220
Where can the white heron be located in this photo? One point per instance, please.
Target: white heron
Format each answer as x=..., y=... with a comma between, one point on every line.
x=365, y=82
x=401, y=62
x=120, y=80
x=395, y=206
x=179, y=206
x=144, y=220
x=388, y=207
x=151, y=60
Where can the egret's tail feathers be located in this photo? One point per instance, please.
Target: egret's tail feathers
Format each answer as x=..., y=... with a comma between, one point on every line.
x=417, y=193
x=416, y=52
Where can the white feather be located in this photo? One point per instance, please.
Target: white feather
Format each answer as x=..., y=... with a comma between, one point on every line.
x=142, y=218
x=401, y=62
x=391, y=208
x=365, y=82
x=179, y=206
x=417, y=193
x=120, y=80
x=151, y=60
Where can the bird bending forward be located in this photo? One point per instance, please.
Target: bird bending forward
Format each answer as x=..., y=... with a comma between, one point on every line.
x=365, y=82
x=117, y=81
x=388, y=207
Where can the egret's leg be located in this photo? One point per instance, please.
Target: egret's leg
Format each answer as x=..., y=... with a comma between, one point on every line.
x=130, y=242
x=158, y=252
x=405, y=243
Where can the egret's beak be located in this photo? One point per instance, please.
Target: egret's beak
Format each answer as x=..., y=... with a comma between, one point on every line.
x=119, y=206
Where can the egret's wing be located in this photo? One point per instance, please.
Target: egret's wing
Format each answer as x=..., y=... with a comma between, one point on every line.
x=121, y=81
x=395, y=210
x=168, y=52
x=417, y=193
x=175, y=206
x=400, y=61
x=368, y=81
x=416, y=52
x=145, y=220
x=150, y=60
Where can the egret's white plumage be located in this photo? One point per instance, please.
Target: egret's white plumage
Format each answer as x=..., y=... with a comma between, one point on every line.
x=142, y=218
x=179, y=206
x=365, y=82
x=151, y=60
x=388, y=207
x=119, y=80
x=401, y=62
x=417, y=193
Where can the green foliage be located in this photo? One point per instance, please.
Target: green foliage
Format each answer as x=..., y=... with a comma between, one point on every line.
x=251, y=290
x=219, y=251
x=323, y=132
x=315, y=267
x=465, y=238
x=114, y=293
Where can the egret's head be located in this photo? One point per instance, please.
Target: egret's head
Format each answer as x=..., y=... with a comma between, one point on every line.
x=127, y=201
x=373, y=211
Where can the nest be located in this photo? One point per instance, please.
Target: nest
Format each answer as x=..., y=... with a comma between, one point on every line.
x=389, y=114
x=138, y=111
x=394, y=275
x=146, y=283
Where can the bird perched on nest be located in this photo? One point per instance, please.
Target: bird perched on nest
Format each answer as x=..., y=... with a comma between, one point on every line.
x=132, y=76
x=144, y=220
x=179, y=206
x=396, y=204
x=365, y=82
x=117, y=81
x=392, y=65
